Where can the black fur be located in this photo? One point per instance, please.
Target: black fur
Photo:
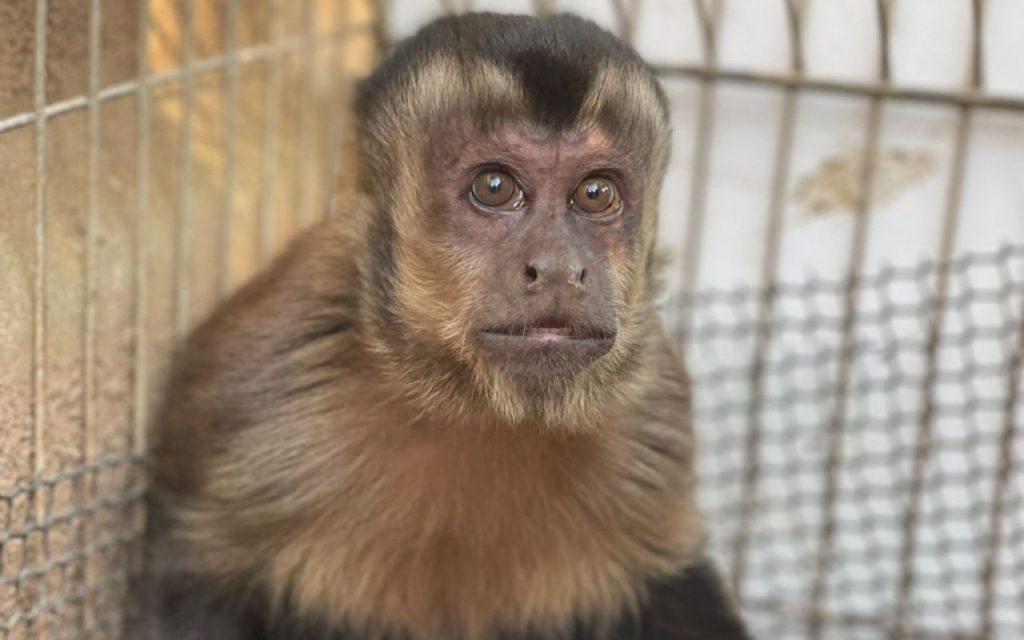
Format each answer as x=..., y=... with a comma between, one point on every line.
x=555, y=59
x=691, y=606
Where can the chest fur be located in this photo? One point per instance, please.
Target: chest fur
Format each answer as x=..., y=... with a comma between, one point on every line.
x=456, y=532
x=428, y=530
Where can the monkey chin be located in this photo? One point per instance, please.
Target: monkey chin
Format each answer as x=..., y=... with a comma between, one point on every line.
x=547, y=354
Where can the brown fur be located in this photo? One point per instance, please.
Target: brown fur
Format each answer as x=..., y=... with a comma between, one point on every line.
x=435, y=525
x=333, y=436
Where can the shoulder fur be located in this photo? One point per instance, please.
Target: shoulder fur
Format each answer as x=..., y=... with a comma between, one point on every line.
x=355, y=508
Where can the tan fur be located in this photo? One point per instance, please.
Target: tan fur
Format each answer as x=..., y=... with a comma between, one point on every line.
x=389, y=489
x=439, y=527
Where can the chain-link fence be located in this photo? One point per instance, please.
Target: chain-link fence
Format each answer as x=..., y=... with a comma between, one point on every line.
x=859, y=429
x=858, y=476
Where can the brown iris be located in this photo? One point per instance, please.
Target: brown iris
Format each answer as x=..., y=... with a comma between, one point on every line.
x=495, y=189
x=596, y=196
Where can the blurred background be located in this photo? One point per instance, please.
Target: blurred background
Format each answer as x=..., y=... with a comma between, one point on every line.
x=843, y=218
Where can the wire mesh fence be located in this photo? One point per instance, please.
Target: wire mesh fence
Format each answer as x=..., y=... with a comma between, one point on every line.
x=860, y=432
x=875, y=515
x=153, y=155
x=70, y=551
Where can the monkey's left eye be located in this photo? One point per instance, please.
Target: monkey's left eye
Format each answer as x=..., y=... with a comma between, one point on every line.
x=595, y=196
x=496, y=189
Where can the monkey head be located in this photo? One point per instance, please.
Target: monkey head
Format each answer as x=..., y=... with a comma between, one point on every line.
x=513, y=167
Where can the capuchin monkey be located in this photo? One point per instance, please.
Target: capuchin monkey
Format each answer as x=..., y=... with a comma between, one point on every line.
x=450, y=411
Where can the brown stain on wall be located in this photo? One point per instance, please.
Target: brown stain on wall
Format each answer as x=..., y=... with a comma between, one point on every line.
x=836, y=183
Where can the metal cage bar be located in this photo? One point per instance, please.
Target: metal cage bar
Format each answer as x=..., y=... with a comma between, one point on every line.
x=140, y=379
x=766, y=309
x=231, y=98
x=842, y=87
x=40, y=310
x=243, y=56
x=707, y=12
x=271, y=124
x=996, y=515
x=836, y=427
x=937, y=315
x=89, y=435
x=183, y=222
x=304, y=204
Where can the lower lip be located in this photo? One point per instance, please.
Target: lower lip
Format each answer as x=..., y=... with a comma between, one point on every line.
x=549, y=335
x=544, y=337
x=547, y=351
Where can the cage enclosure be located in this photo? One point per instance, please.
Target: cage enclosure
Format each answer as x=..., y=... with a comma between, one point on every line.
x=843, y=220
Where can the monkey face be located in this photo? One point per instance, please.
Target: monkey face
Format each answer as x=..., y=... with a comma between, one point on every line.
x=522, y=265
x=543, y=232
x=515, y=191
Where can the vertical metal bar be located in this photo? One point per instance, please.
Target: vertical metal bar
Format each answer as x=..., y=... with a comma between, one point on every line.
x=766, y=311
x=39, y=311
x=92, y=207
x=544, y=7
x=936, y=324
x=994, y=543
x=626, y=16
x=135, y=512
x=844, y=377
x=271, y=122
x=89, y=293
x=183, y=224
x=227, y=216
x=140, y=378
x=701, y=164
x=381, y=24
x=336, y=112
x=304, y=206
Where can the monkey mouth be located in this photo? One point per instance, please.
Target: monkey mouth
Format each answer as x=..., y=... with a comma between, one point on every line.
x=550, y=330
x=546, y=347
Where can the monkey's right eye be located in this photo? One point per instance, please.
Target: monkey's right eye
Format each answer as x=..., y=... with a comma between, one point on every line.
x=495, y=189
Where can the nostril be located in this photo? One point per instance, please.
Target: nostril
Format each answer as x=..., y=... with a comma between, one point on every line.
x=531, y=273
x=583, y=275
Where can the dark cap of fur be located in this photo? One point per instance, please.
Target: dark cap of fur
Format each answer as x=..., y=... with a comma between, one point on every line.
x=555, y=58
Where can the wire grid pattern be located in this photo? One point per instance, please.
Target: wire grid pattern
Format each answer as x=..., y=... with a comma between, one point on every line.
x=951, y=571
x=852, y=392
x=52, y=538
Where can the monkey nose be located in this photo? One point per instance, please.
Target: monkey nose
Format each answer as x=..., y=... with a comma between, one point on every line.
x=539, y=274
x=577, y=275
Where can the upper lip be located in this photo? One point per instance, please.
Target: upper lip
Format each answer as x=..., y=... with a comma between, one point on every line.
x=550, y=329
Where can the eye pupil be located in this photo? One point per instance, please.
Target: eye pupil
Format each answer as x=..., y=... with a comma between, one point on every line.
x=596, y=196
x=495, y=190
